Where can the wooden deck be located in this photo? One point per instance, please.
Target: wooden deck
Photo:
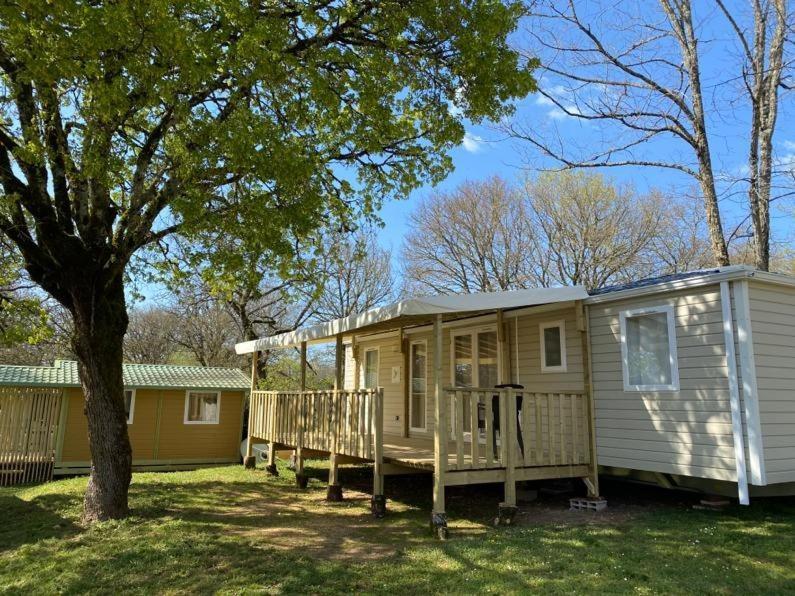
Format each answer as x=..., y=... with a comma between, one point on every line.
x=417, y=453
x=489, y=435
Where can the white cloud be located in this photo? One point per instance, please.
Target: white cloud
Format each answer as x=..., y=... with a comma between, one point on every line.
x=543, y=100
x=789, y=145
x=472, y=143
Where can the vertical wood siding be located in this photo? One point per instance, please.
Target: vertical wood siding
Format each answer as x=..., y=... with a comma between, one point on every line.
x=176, y=439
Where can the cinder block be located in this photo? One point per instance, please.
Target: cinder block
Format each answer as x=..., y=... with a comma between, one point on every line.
x=587, y=504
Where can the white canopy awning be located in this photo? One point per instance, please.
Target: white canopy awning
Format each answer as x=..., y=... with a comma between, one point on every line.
x=414, y=309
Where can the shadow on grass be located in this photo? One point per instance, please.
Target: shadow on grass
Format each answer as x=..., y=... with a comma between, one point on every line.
x=240, y=531
x=24, y=522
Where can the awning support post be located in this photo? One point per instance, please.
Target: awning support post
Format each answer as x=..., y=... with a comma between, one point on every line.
x=301, y=478
x=250, y=461
x=439, y=515
x=334, y=491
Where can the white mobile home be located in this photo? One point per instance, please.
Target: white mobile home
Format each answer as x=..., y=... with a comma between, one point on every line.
x=683, y=380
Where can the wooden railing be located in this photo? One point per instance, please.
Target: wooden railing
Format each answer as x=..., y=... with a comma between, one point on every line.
x=544, y=429
x=345, y=422
x=28, y=431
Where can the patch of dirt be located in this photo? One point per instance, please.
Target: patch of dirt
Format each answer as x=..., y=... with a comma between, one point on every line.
x=276, y=514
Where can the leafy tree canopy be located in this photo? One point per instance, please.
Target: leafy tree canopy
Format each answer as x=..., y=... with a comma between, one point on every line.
x=124, y=121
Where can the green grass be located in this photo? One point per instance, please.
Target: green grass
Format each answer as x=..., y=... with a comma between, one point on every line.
x=236, y=531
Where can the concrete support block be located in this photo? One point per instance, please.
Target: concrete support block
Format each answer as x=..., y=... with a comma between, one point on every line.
x=378, y=506
x=439, y=525
x=334, y=493
x=506, y=514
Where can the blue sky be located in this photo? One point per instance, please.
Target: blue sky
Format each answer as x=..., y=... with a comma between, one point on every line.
x=486, y=152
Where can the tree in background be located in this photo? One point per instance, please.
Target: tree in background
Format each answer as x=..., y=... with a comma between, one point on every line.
x=150, y=336
x=357, y=276
x=124, y=123
x=564, y=228
x=589, y=231
x=23, y=316
x=477, y=238
x=634, y=70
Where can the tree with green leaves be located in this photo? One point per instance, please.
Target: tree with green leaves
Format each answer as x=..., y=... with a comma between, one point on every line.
x=124, y=123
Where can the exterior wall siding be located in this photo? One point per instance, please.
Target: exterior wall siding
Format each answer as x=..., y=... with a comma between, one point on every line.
x=523, y=363
x=686, y=432
x=773, y=328
x=176, y=440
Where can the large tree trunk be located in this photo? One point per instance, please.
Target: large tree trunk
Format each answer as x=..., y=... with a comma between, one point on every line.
x=100, y=322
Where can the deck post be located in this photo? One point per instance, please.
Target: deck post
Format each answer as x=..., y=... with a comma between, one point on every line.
x=439, y=515
x=583, y=325
x=300, y=477
x=250, y=461
x=507, y=509
x=334, y=491
x=378, y=504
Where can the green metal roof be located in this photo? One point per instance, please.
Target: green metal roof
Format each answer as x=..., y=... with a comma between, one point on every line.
x=160, y=376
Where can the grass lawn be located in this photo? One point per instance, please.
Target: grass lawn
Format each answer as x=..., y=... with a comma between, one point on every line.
x=234, y=530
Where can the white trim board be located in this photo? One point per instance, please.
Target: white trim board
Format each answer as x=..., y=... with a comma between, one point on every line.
x=745, y=342
x=734, y=393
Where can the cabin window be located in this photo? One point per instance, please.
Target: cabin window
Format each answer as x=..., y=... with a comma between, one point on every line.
x=553, y=346
x=648, y=349
x=129, y=404
x=419, y=384
x=475, y=361
x=371, y=368
x=202, y=407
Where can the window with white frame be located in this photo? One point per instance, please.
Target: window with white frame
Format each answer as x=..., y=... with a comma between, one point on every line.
x=419, y=384
x=202, y=407
x=370, y=368
x=553, y=346
x=129, y=404
x=648, y=349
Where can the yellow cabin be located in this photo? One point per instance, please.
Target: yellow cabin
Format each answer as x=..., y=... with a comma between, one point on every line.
x=179, y=417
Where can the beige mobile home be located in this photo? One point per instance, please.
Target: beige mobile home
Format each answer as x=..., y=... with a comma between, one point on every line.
x=680, y=380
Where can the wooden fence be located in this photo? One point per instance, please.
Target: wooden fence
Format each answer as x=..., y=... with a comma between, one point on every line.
x=344, y=422
x=545, y=429
x=28, y=429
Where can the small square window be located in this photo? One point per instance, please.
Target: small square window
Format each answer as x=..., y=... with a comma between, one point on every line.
x=648, y=349
x=129, y=404
x=553, y=346
x=202, y=407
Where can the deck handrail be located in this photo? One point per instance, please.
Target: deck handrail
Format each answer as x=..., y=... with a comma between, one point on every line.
x=547, y=429
x=347, y=422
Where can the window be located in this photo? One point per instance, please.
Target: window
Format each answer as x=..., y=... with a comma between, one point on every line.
x=129, y=404
x=202, y=407
x=475, y=367
x=553, y=346
x=419, y=384
x=475, y=362
x=371, y=368
x=648, y=349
